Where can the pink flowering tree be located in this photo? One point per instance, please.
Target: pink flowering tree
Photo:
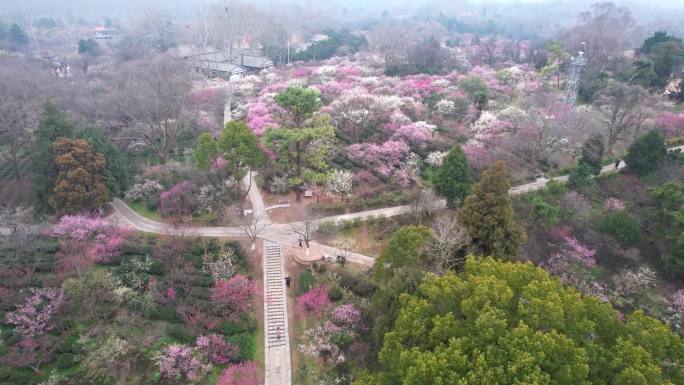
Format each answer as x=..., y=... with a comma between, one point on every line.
x=570, y=265
x=259, y=118
x=675, y=309
x=319, y=342
x=215, y=348
x=383, y=158
x=234, y=296
x=314, y=301
x=416, y=134
x=613, y=205
x=243, y=373
x=90, y=238
x=670, y=124
x=35, y=316
x=179, y=201
x=177, y=363
x=346, y=316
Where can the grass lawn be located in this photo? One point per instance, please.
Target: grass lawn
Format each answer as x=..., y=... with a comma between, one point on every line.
x=141, y=209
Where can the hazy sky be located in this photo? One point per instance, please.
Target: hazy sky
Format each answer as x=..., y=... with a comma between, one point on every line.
x=97, y=8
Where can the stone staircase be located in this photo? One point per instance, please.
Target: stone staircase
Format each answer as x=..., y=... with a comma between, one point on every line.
x=276, y=307
x=276, y=336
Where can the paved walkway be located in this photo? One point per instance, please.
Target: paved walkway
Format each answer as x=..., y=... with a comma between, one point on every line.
x=276, y=335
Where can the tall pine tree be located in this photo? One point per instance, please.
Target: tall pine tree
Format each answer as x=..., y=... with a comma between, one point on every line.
x=488, y=216
x=43, y=170
x=453, y=179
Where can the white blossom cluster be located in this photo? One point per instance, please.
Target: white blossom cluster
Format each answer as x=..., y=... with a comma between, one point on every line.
x=436, y=158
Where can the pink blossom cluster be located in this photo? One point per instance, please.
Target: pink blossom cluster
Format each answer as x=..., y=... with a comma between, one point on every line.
x=179, y=200
x=81, y=228
x=416, y=134
x=215, y=348
x=178, y=362
x=613, y=205
x=102, y=240
x=347, y=71
x=301, y=72
x=314, y=301
x=384, y=158
x=35, y=316
x=233, y=296
x=259, y=118
x=566, y=262
x=670, y=124
x=478, y=156
x=346, y=316
x=243, y=373
x=573, y=253
x=318, y=343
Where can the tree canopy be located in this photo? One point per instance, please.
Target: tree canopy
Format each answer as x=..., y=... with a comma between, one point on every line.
x=511, y=323
x=488, y=216
x=43, y=171
x=453, y=178
x=79, y=185
x=300, y=103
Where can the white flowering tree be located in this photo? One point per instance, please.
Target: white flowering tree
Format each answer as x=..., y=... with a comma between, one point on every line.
x=341, y=182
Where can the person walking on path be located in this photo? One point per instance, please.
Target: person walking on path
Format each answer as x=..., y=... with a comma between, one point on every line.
x=287, y=281
x=617, y=163
x=300, y=241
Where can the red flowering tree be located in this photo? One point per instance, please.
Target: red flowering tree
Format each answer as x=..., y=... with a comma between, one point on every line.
x=179, y=201
x=234, y=296
x=243, y=373
x=314, y=301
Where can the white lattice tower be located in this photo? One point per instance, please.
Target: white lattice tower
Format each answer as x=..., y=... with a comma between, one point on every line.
x=577, y=65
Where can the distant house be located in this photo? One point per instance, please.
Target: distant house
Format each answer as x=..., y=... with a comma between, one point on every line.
x=215, y=63
x=105, y=33
x=253, y=63
x=250, y=58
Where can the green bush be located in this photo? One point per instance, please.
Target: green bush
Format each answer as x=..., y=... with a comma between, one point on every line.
x=246, y=343
x=305, y=281
x=335, y=294
x=65, y=360
x=646, y=153
x=247, y=324
x=204, y=281
x=581, y=176
x=166, y=313
x=177, y=332
x=360, y=286
x=156, y=268
x=625, y=229
x=548, y=212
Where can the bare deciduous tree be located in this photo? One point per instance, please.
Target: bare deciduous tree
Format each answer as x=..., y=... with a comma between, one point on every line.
x=623, y=110
x=305, y=231
x=19, y=106
x=449, y=237
x=254, y=229
x=151, y=102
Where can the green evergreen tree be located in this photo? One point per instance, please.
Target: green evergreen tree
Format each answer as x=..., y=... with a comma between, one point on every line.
x=646, y=153
x=453, y=179
x=205, y=151
x=119, y=168
x=581, y=176
x=299, y=102
x=512, y=323
x=43, y=170
x=592, y=153
x=488, y=216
